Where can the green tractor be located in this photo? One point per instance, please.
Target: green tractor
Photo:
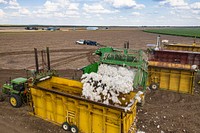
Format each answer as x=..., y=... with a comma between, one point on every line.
x=17, y=91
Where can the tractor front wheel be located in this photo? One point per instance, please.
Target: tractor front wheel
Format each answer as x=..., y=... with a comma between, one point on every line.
x=15, y=101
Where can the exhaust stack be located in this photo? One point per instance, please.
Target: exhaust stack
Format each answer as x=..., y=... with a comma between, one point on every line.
x=158, y=43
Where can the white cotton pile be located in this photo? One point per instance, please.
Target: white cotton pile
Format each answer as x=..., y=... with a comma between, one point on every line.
x=108, y=83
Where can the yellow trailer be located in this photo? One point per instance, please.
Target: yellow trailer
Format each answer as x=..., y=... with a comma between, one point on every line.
x=182, y=47
x=59, y=100
x=174, y=79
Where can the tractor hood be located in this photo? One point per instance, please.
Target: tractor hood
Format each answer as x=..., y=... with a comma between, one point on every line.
x=19, y=80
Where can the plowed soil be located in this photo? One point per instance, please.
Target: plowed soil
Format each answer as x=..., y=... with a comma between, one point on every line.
x=164, y=111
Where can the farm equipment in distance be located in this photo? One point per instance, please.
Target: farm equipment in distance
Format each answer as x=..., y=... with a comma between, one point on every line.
x=17, y=90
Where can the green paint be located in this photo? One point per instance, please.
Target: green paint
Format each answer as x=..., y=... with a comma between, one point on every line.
x=187, y=32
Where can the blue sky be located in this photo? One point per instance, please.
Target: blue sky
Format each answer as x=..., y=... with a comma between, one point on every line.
x=101, y=12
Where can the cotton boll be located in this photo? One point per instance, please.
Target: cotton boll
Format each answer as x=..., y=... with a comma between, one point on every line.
x=115, y=100
x=138, y=96
x=99, y=90
x=104, y=92
x=108, y=83
x=106, y=101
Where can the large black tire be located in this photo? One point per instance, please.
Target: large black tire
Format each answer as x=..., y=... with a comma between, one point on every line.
x=74, y=129
x=153, y=86
x=15, y=101
x=66, y=126
x=2, y=96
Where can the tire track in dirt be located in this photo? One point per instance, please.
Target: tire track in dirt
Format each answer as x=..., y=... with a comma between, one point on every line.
x=91, y=58
x=72, y=58
x=51, y=51
x=58, y=62
x=65, y=60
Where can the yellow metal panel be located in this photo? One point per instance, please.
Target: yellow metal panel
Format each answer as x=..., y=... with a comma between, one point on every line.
x=60, y=117
x=164, y=78
x=44, y=84
x=88, y=117
x=153, y=75
x=67, y=82
x=183, y=47
x=97, y=126
x=172, y=79
x=113, y=121
x=169, y=65
x=84, y=118
x=111, y=128
x=186, y=82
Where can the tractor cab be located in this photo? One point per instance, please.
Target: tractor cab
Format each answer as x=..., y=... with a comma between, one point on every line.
x=19, y=84
x=16, y=91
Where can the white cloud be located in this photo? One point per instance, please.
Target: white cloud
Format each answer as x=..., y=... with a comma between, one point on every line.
x=195, y=6
x=136, y=14
x=139, y=6
x=73, y=6
x=172, y=12
x=96, y=8
x=21, y=12
x=174, y=2
x=69, y=14
x=50, y=6
x=178, y=4
x=3, y=2
x=122, y=18
x=125, y=4
x=196, y=11
x=72, y=13
x=58, y=8
x=13, y=4
x=24, y=11
x=2, y=13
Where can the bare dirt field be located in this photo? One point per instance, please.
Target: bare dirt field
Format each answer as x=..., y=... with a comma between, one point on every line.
x=164, y=111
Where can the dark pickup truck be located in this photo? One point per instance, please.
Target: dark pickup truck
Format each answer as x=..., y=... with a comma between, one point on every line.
x=87, y=42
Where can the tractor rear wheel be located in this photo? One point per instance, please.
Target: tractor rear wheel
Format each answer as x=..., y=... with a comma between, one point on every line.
x=2, y=96
x=15, y=101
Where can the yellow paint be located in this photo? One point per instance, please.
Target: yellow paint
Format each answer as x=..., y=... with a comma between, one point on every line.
x=170, y=65
x=183, y=47
x=13, y=101
x=89, y=117
x=172, y=79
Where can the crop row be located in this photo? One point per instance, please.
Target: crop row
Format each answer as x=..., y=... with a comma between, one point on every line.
x=187, y=32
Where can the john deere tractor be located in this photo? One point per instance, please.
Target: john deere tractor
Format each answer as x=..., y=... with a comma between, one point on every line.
x=17, y=91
